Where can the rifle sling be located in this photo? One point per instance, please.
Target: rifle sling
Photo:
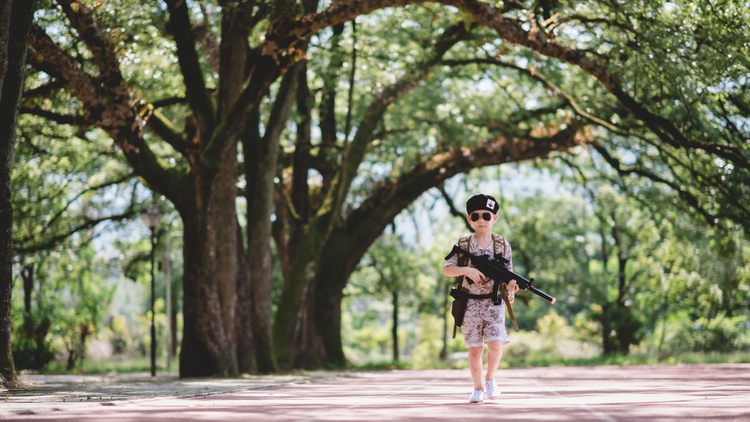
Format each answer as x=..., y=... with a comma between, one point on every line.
x=507, y=304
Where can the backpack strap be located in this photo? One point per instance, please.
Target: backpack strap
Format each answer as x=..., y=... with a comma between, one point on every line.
x=498, y=244
x=508, y=297
x=463, y=260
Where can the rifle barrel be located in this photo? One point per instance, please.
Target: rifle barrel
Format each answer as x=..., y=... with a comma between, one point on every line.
x=543, y=295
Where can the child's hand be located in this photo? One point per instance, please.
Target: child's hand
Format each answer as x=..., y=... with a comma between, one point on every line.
x=513, y=286
x=475, y=275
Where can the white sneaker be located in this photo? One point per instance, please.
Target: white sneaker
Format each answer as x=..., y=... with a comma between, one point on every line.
x=492, y=391
x=477, y=397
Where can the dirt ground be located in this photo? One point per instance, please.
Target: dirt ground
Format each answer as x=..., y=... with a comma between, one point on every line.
x=682, y=393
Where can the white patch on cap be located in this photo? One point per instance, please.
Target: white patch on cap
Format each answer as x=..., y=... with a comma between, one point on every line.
x=490, y=204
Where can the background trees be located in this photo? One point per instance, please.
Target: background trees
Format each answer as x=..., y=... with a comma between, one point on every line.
x=331, y=119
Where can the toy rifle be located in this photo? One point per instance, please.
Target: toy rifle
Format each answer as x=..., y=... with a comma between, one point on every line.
x=496, y=270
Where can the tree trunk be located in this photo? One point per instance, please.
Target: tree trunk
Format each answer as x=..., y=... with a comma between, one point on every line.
x=261, y=157
x=27, y=275
x=246, y=362
x=339, y=257
x=394, y=328
x=293, y=330
x=307, y=329
x=328, y=322
x=444, y=350
x=15, y=20
x=260, y=270
x=311, y=352
x=608, y=330
x=205, y=347
x=216, y=288
x=223, y=225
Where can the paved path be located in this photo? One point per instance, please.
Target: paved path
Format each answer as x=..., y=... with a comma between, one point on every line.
x=605, y=393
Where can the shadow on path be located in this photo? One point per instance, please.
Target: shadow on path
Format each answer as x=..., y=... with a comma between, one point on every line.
x=683, y=393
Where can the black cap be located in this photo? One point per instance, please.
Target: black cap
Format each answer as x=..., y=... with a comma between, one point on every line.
x=482, y=202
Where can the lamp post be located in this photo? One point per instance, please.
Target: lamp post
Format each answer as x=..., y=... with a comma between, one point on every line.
x=168, y=277
x=152, y=217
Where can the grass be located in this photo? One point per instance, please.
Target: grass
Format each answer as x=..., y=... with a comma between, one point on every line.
x=540, y=361
x=639, y=359
x=124, y=365
x=119, y=365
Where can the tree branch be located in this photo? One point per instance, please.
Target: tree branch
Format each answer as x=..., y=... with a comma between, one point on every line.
x=198, y=98
x=25, y=246
x=688, y=197
x=63, y=119
x=164, y=128
x=374, y=113
x=392, y=196
x=104, y=52
x=107, y=103
x=80, y=82
x=454, y=211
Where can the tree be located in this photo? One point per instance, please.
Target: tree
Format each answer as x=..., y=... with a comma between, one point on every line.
x=201, y=186
x=15, y=20
x=328, y=226
x=619, y=229
x=354, y=157
x=393, y=261
x=682, y=122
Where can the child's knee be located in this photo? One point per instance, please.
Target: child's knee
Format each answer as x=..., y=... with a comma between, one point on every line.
x=495, y=346
x=475, y=351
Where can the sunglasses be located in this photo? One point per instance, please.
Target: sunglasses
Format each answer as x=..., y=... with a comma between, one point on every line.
x=475, y=216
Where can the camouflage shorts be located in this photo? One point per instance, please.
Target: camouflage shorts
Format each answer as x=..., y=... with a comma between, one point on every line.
x=484, y=322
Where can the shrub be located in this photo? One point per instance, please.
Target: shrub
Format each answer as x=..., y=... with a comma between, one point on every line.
x=719, y=334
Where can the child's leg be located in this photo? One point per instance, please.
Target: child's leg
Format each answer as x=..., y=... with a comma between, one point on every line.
x=475, y=366
x=494, y=355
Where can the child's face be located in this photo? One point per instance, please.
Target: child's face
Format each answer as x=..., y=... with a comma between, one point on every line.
x=481, y=220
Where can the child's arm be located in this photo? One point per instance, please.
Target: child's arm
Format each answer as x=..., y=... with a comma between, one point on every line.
x=472, y=273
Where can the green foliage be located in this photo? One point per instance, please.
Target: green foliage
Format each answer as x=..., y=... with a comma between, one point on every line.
x=672, y=267
x=32, y=348
x=621, y=328
x=72, y=295
x=119, y=334
x=132, y=364
x=392, y=267
x=720, y=333
x=429, y=343
x=65, y=184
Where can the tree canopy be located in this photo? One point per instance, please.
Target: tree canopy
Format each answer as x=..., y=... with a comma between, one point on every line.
x=321, y=122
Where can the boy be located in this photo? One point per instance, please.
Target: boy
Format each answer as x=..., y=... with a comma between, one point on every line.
x=484, y=322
